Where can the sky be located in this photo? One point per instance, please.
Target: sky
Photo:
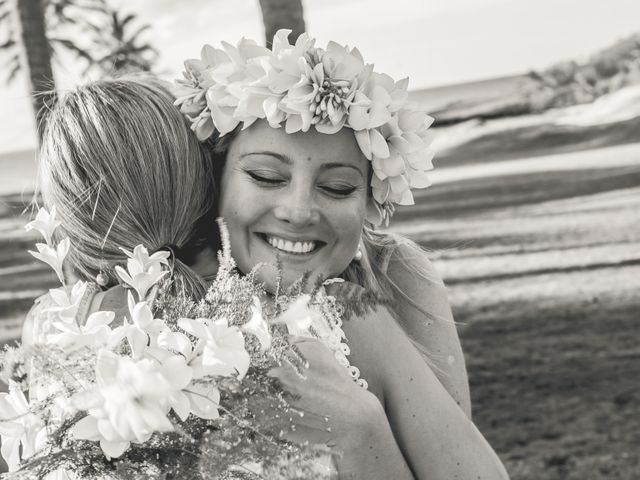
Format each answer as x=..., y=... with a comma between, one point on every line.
x=434, y=42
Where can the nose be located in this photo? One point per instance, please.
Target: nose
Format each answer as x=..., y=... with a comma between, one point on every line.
x=297, y=207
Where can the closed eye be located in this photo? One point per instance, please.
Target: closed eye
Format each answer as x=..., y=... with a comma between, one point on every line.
x=263, y=179
x=339, y=190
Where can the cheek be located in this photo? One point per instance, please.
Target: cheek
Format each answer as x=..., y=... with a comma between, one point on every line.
x=348, y=218
x=347, y=223
x=238, y=202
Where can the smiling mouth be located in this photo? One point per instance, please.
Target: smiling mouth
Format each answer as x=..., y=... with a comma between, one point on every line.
x=293, y=247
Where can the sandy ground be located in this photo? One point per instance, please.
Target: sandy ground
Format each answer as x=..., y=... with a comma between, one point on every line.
x=542, y=258
x=543, y=267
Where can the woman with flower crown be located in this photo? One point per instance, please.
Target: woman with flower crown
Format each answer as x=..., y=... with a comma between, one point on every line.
x=313, y=150
x=297, y=195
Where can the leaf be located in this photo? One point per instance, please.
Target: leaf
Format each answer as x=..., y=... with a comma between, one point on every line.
x=138, y=32
x=129, y=18
x=73, y=48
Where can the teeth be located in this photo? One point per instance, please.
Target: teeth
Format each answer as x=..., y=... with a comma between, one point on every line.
x=291, y=247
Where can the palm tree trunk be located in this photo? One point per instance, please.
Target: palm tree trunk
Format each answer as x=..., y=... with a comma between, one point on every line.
x=35, y=58
x=277, y=14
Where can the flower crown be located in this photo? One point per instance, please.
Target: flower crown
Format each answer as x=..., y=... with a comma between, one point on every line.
x=302, y=86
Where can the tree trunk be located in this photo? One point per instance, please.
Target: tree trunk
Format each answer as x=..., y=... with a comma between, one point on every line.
x=35, y=58
x=277, y=14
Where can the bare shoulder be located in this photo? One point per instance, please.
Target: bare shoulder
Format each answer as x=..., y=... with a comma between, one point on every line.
x=369, y=346
x=425, y=314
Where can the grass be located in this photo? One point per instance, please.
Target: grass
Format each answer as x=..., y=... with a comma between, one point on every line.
x=543, y=272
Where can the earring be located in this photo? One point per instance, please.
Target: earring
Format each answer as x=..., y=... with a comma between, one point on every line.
x=358, y=256
x=102, y=279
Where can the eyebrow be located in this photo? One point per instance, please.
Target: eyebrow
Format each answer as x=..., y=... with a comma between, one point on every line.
x=287, y=161
x=283, y=158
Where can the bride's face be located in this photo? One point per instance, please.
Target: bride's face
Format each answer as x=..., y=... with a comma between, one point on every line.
x=298, y=197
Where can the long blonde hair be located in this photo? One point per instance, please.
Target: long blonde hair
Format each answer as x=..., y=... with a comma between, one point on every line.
x=122, y=168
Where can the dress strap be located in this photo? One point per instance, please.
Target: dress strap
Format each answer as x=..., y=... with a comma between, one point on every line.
x=84, y=308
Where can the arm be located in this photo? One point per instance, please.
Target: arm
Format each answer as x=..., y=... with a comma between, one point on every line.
x=426, y=317
x=436, y=437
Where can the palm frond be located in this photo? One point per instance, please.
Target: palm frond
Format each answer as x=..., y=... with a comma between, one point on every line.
x=126, y=20
x=12, y=67
x=134, y=36
x=142, y=49
x=73, y=48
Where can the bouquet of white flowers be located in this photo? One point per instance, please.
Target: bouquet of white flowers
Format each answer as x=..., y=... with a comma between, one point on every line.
x=176, y=389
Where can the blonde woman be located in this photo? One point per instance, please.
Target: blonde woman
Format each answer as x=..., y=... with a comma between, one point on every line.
x=122, y=168
x=314, y=150
x=288, y=198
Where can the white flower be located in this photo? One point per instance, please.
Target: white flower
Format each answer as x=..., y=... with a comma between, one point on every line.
x=300, y=86
x=231, y=69
x=328, y=84
x=204, y=399
x=131, y=401
x=176, y=371
x=66, y=301
x=143, y=271
x=19, y=428
x=376, y=101
x=220, y=348
x=45, y=223
x=300, y=316
x=143, y=331
x=258, y=326
x=94, y=333
x=53, y=256
x=201, y=398
x=143, y=318
x=145, y=261
x=175, y=342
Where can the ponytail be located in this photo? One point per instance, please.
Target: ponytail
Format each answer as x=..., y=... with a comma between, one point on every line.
x=123, y=168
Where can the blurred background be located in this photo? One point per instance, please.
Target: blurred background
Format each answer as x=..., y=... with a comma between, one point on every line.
x=534, y=216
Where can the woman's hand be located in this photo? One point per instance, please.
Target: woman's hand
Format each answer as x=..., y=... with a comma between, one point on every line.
x=334, y=409
x=337, y=412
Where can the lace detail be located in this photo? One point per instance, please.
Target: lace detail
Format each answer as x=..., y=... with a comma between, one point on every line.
x=327, y=328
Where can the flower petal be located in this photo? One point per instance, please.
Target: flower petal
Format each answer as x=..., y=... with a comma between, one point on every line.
x=364, y=142
x=113, y=449
x=204, y=401
x=393, y=165
x=379, y=146
x=86, y=429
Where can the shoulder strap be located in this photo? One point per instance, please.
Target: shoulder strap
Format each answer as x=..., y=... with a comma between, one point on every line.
x=85, y=303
